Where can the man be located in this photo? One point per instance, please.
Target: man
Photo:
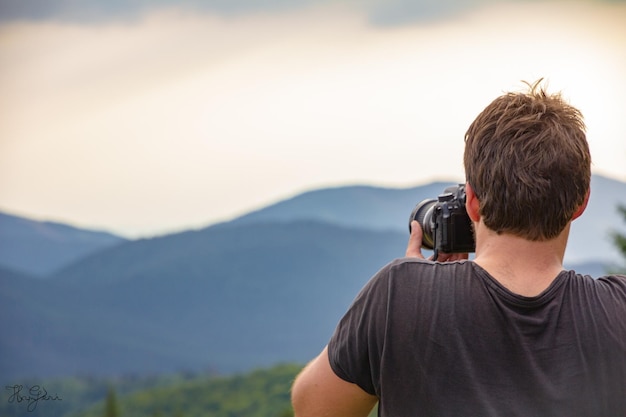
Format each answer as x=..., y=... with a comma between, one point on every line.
x=510, y=333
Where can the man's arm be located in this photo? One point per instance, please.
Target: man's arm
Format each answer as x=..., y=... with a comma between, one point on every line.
x=319, y=392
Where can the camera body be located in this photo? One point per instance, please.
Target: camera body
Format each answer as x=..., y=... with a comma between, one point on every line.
x=445, y=224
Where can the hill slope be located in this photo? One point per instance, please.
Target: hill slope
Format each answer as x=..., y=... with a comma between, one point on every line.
x=39, y=248
x=228, y=297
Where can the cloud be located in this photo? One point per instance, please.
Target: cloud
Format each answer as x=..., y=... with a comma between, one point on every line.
x=379, y=12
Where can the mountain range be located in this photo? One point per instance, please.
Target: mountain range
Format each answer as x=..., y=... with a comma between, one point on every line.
x=267, y=287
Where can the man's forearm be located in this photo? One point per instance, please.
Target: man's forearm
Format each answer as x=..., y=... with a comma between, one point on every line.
x=318, y=391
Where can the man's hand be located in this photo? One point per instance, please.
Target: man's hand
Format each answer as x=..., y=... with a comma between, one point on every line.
x=414, y=247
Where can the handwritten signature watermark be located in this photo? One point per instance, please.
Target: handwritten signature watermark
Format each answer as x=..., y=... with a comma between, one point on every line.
x=30, y=396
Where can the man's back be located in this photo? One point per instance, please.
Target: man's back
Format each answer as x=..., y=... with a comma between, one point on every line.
x=523, y=339
x=450, y=340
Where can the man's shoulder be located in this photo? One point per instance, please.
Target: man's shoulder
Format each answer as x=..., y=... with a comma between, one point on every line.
x=616, y=282
x=612, y=280
x=411, y=269
x=604, y=291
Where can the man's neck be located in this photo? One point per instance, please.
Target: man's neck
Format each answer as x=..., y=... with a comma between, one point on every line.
x=524, y=267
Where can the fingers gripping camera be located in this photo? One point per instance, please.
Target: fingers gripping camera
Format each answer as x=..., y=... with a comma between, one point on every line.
x=445, y=224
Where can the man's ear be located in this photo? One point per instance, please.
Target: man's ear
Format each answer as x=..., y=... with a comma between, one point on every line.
x=472, y=205
x=582, y=207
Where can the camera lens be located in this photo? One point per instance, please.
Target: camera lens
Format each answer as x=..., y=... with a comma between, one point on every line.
x=423, y=213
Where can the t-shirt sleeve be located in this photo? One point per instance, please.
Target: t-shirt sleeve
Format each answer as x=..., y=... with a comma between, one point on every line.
x=355, y=348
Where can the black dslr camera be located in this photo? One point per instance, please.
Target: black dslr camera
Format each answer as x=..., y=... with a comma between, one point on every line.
x=445, y=224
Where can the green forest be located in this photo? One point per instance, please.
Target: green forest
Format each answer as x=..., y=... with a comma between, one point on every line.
x=259, y=393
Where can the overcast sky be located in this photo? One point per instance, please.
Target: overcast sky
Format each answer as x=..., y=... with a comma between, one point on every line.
x=144, y=118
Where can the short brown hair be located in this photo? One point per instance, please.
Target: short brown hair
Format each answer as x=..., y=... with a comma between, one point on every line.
x=528, y=162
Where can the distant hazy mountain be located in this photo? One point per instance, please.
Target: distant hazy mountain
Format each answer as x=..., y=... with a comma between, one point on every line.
x=39, y=248
x=389, y=209
x=366, y=207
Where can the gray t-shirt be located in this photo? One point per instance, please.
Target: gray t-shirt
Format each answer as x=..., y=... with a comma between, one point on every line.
x=446, y=339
